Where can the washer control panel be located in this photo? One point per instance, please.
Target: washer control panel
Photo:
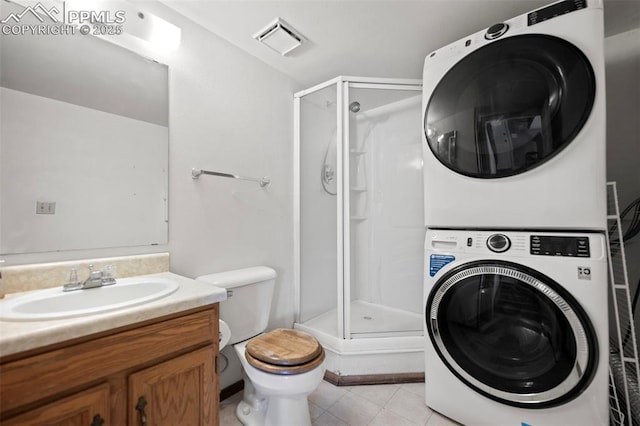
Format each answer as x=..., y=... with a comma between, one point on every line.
x=552, y=245
x=502, y=244
x=555, y=10
x=498, y=243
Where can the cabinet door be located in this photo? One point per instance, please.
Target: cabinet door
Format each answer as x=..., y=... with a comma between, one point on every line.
x=90, y=407
x=176, y=392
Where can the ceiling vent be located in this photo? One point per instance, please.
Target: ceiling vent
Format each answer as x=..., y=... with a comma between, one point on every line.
x=280, y=36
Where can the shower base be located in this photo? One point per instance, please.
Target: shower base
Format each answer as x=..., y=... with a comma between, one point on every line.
x=384, y=341
x=371, y=320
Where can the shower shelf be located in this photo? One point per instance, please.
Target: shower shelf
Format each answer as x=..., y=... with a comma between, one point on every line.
x=359, y=218
x=358, y=189
x=355, y=152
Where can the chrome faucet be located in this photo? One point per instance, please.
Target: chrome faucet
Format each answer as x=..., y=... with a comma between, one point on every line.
x=95, y=279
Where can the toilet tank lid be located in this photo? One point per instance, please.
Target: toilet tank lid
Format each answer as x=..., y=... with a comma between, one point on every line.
x=239, y=277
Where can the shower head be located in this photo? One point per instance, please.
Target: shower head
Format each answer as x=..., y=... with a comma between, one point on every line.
x=354, y=106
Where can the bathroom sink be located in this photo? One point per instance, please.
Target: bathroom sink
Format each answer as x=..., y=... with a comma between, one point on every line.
x=55, y=304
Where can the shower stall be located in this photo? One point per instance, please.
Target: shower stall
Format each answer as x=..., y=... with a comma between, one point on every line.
x=359, y=234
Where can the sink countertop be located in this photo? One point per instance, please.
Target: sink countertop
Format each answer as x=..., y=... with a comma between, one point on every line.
x=19, y=336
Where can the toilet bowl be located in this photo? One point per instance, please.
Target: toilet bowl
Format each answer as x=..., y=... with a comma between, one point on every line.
x=280, y=368
x=277, y=398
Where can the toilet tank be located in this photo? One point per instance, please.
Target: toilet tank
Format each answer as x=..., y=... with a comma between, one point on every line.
x=249, y=295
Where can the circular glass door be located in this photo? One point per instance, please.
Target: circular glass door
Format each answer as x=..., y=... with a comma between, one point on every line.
x=512, y=334
x=509, y=106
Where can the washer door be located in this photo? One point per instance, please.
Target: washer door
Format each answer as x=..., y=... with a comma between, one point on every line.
x=512, y=334
x=509, y=106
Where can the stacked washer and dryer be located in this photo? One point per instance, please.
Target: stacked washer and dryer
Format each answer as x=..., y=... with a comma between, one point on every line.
x=515, y=296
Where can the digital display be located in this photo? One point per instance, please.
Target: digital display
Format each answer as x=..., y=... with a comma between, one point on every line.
x=554, y=10
x=559, y=246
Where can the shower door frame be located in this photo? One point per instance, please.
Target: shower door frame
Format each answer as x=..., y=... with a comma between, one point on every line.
x=343, y=220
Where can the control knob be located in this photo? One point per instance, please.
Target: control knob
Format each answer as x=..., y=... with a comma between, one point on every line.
x=496, y=31
x=498, y=243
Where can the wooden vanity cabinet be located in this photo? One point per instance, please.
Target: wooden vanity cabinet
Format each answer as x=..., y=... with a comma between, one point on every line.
x=172, y=393
x=90, y=407
x=162, y=372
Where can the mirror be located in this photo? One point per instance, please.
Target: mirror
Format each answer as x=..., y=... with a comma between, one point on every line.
x=84, y=143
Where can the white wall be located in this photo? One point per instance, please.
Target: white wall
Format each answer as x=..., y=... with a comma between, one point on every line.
x=622, y=60
x=229, y=112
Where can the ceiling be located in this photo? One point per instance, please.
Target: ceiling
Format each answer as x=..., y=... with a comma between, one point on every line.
x=367, y=38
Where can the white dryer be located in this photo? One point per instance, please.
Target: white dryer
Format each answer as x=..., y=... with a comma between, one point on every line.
x=514, y=124
x=516, y=327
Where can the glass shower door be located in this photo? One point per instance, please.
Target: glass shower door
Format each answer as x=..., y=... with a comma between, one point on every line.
x=383, y=207
x=319, y=261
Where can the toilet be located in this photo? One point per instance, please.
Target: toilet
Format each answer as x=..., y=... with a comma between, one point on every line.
x=281, y=367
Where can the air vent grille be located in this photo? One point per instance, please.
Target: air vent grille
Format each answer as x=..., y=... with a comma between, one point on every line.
x=280, y=37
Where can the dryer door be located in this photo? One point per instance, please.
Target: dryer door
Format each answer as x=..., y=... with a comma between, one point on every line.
x=512, y=334
x=509, y=106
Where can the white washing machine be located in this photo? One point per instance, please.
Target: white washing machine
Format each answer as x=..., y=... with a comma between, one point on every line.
x=514, y=124
x=516, y=327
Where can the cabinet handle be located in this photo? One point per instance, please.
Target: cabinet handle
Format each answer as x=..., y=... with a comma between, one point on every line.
x=97, y=420
x=140, y=408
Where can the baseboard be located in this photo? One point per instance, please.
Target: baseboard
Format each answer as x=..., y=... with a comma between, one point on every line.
x=231, y=390
x=373, y=379
x=338, y=380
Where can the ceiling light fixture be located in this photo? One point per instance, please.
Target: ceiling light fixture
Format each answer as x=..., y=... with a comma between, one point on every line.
x=280, y=36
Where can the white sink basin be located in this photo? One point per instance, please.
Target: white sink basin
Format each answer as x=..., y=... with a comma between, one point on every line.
x=55, y=304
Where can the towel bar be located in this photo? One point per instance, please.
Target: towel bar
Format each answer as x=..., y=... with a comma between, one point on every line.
x=196, y=173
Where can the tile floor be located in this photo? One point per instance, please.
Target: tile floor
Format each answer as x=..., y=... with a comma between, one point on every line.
x=375, y=405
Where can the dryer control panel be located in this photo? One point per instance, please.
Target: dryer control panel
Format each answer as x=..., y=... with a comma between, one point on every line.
x=552, y=245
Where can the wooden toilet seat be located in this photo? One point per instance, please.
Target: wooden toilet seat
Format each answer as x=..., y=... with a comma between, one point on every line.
x=284, y=351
